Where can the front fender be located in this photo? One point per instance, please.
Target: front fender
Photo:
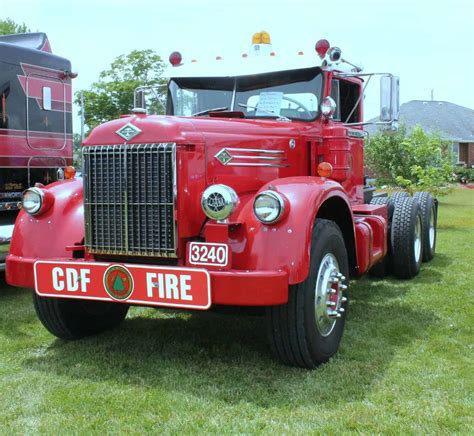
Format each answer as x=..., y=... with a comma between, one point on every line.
x=285, y=245
x=47, y=235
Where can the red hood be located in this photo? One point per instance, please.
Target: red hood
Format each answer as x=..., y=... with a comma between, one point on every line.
x=191, y=130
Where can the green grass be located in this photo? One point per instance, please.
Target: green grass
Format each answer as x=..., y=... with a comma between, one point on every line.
x=405, y=364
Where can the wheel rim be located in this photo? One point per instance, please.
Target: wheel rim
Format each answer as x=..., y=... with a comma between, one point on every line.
x=417, y=244
x=432, y=228
x=328, y=294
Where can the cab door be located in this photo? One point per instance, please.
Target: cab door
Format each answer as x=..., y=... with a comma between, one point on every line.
x=46, y=111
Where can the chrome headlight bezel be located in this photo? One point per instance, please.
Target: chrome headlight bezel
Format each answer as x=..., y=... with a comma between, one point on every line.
x=278, y=203
x=219, y=201
x=39, y=194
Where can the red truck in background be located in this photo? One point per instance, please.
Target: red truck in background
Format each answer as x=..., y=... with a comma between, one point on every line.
x=35, y=121
x=249, y=192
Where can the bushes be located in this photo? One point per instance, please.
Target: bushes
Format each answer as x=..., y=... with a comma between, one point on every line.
x=416, y=162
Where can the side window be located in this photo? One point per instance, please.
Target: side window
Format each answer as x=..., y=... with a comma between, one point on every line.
x=335, y=95
x=348, y=99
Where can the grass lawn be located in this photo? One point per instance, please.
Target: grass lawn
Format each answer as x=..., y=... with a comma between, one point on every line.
x=405, y=364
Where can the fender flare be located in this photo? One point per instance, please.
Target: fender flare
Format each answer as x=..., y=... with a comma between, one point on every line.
x=286, y=245
x=46, y=236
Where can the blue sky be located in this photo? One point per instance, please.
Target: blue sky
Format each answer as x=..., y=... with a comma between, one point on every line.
x=429, y=44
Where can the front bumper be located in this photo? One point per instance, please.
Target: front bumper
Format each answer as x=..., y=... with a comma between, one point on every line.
x=232, y=288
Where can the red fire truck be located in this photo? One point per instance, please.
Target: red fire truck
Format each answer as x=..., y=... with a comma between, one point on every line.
x=249, y=192
x=35, y=121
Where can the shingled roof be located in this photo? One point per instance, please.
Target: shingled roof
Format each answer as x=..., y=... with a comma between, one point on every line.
x=451, y=121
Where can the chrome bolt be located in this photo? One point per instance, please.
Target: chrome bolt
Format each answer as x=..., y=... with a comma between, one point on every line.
x=331, y=291
x=330, y=304
x=341, y=310
x=341, y=277
x=333, y=314
x=334, y=280
x=342, y=287
x=343, y=300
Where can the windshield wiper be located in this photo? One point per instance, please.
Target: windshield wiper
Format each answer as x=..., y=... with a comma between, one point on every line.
x=273, y=114
x=207, y=111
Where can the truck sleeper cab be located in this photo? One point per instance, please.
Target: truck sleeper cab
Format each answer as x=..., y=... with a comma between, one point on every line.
x=249, y=192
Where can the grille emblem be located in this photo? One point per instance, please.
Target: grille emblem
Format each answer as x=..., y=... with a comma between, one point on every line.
x=128, y=131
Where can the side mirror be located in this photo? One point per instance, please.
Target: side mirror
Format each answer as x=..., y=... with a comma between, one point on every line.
x=389, y=98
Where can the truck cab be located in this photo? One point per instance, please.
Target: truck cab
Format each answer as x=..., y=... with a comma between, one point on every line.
x=248, y=192
x=35, y=121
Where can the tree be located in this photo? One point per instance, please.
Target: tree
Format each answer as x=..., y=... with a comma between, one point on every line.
x=112, y=95
x=416, y=162
x=8, y=27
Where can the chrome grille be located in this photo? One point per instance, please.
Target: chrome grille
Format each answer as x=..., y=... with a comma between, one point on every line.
x=129, y=199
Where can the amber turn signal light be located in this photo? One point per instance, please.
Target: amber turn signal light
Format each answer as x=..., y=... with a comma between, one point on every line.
x=325, y=169
x=69, y=172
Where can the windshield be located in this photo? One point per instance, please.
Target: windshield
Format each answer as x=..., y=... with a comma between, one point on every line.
x=285, y=94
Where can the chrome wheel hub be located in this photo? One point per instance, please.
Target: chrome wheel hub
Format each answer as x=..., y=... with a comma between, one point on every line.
x=328, y=294
x=432, y=228
x=417, y=243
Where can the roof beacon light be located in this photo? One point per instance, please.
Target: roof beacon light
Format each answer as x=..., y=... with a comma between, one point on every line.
x=322, y=46
x=175, y=58
x=261, y=44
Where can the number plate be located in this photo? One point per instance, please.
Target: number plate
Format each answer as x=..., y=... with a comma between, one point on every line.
x=208, y=254
x=136, y=284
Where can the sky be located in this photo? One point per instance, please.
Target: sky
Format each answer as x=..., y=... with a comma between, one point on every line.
x=428, y=44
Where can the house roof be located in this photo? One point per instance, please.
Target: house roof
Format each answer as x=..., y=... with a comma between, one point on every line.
x=451, y=121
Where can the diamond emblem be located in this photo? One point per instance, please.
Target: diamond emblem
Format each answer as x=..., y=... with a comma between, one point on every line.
x=224, y=157
x=128, y=131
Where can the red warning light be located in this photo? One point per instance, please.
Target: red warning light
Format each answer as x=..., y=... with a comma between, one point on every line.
x=322, y=46
x=175, y=58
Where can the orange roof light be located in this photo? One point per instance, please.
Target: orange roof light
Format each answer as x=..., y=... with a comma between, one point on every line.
x=325, y=169
x=261, y=38
x=69, y=172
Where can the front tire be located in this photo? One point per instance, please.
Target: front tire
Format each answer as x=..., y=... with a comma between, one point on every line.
x=74, y=319
x=307, y=330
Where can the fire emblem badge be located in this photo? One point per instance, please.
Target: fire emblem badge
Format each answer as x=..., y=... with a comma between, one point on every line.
x=128, y=131
x=118, y=282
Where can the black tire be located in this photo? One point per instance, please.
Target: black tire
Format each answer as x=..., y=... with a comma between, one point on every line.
x=429, y=212
x=383, y=268
x=294, y=332
x=406, y=238
x=75, y=319
x=399, y=195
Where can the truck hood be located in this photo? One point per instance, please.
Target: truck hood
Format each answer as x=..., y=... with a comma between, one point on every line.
x=157, y=128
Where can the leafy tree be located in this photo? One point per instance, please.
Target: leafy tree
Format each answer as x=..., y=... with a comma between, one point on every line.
x=416, y=162
x=8, y=27
x=112, y=95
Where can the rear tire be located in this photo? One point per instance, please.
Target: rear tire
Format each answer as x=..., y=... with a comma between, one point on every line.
x=307, y=330
x=429, y=214
x=406, y=238
x=396, y=196
x=74, y=319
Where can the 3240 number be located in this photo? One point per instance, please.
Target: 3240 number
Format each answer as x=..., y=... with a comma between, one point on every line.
x=205, y=253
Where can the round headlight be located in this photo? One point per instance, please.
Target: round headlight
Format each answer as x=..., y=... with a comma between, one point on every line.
x=219, y=201
x=32, y=200
x=268, y=207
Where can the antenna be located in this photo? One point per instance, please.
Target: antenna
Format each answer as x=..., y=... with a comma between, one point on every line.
x=432, y=95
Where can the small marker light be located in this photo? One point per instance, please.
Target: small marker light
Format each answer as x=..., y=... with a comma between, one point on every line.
x=69, y=172
x=300, y=53
x=322, y=46
x=218, y=58
x=175, y=58
x=325, y=169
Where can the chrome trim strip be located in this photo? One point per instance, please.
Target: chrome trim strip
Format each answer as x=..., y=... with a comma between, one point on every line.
x=253, y=150
x=251, y=164
x=260, y=157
